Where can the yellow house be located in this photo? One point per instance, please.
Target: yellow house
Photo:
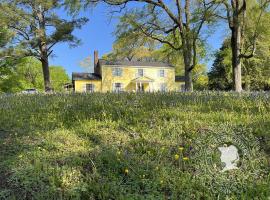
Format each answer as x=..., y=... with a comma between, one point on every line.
x=130, y=76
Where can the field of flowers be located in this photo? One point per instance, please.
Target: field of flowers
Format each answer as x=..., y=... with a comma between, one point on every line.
x=128, y=146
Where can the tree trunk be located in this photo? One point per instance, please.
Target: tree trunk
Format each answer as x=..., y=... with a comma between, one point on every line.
x=44, y=50
x=188, y=81
x=236, y=60
x=187, y=62
x=46, y=75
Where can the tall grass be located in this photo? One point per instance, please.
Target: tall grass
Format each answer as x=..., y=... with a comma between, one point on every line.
x=133, y=146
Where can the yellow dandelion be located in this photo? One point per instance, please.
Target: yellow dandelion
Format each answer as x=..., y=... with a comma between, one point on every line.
x=126, y=171
x=176, y=156
x=185, y=158
x=161, y=181
x=181, y=148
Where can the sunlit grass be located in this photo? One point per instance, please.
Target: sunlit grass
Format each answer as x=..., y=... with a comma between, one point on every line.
x=128, y=146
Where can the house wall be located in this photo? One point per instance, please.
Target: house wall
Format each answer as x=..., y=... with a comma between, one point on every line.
x=80, y=85
x=129, y=73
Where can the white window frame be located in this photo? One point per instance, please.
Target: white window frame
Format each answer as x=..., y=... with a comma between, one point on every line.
x=92, y=86
x=118, y=89
x=163, y=87
x=117, y=71
x=159, y=73
x=138, y=72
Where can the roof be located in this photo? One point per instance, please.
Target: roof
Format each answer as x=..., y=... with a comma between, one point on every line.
x=180, y=78
x=85, y=76
x=134, y=63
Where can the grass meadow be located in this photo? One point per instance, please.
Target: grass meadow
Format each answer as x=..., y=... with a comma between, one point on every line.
x=133, y=146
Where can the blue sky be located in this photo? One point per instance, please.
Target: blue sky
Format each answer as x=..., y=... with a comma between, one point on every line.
x=97, y=34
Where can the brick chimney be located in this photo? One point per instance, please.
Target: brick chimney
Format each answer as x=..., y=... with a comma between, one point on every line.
x=95, y=58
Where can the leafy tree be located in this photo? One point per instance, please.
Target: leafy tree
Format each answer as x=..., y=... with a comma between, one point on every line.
x=28, y=74
x=256, y=70
x=38, y=29
x=243, y=46
x=220, y=73
x=130, y=45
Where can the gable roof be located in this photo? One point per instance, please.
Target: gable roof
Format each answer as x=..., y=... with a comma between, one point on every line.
x=134, y=63
x=85, y=76
x=180, y=78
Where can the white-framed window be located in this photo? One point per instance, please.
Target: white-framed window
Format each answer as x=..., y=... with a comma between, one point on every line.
x=117, y=71
x=118, y=87
x=182, y=88
x=89, y=87
x=161, y=73
x=140, y=72
x=163, y=87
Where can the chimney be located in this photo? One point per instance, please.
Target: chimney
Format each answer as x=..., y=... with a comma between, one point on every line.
x=95, y=58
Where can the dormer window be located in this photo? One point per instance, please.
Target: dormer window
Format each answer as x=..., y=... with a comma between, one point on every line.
x=140, y=72
x=117, y=71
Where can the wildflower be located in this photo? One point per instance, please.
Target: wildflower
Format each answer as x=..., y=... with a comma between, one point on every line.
x=126, y=171
x=161, y=181
x=176, y=156
x=143, y=176
x=185, y=158
x=181, y=148
x=118, y=153
x=162, y=148
x=20, y=156
x=157, y=168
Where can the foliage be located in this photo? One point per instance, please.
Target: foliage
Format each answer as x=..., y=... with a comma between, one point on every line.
x=37, y=28
x=256, y=71
x=28, y=74
x=133, y=146
x=221, y=72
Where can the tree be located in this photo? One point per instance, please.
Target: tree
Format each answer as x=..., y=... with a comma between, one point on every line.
x=130, y=45
x=221, y=71
x=28, y=74
x=38, y=29
x=160, y=18
x=236, y=15
x=255, y=71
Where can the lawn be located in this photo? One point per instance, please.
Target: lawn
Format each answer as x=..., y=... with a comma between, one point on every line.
x=128, y=146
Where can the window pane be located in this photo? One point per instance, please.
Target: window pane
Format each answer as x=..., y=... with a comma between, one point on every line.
x=163, y=87
x=140, y=72
x=117, y=71
x=117, y=87
x=161, y=73
x=90, y=87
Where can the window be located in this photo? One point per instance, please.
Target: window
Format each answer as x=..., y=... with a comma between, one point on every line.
x=117, y=87
x=117, y=71
x=161, y=73
x=140, y=72
x=90, y=87
x=163, y=87
x=182, y=88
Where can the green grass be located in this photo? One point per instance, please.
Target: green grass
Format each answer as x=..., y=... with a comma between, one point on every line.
x=111, y=146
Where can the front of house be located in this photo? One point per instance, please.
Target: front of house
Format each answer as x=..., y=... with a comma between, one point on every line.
x=128, y=76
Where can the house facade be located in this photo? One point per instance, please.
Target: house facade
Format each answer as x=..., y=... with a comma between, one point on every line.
x=129, y=76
